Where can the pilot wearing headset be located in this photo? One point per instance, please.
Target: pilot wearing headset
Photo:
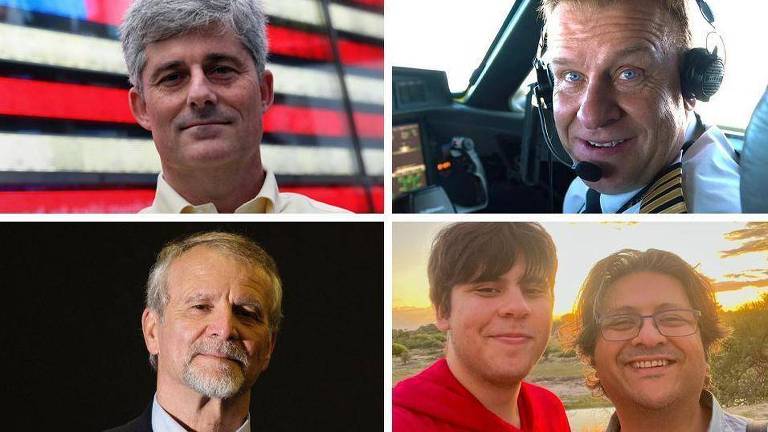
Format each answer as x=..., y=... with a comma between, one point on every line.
x=621, y=81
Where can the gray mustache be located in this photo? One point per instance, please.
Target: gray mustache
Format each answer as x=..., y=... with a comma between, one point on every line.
x=223, y=348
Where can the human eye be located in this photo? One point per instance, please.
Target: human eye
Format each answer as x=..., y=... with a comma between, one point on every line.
x=222, y=70
x=251, y=312
x=170, y=79
x=629, y=74
x=200, y=307
x=572, y=77
x=486, y=290
x=535, y=289
x=620, y=322
x=674, y=319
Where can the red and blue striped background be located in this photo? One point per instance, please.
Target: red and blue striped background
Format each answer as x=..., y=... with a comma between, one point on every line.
x=75, y=102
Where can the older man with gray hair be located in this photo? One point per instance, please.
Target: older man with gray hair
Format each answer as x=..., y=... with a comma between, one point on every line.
x=200, y=85
x=213, y=309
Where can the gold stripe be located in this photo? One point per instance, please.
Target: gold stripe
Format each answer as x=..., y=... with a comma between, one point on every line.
x=675, y=172
x=658, y=188
x=652, y=199
x=677, y=208
x=664, y=199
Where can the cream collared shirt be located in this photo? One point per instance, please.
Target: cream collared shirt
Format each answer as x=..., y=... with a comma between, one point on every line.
x=269, y=200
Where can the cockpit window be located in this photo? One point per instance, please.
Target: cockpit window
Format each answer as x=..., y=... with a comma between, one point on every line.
x=446, y=36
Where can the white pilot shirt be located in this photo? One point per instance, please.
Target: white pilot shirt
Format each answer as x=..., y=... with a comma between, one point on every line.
x=711, y=177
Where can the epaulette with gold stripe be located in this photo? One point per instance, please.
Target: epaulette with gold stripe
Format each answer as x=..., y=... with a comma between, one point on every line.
x=666, y=194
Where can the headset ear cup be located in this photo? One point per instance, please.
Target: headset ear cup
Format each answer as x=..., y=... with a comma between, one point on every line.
x=701, y=74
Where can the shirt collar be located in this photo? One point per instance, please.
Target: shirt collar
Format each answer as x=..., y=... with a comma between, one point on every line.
x=163, y=422
x=167, y=200
x=612, y=203
x=707, y=400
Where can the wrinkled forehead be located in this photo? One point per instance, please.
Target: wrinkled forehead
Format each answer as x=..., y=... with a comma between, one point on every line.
x=579, y=29
x=195, y=45
x=209, y=268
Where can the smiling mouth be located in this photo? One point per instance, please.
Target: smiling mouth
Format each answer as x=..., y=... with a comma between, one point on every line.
x=607, y=144
x=648, y=364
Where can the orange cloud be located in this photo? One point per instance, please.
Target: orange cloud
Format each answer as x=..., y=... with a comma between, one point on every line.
x=751, y=273
x=736, y=285
x=754, y=238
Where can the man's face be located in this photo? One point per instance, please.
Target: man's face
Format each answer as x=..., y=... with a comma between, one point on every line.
x=498, y=329
x=202, y=100
x=616, y=363
x=214, y=335
x=617, y=99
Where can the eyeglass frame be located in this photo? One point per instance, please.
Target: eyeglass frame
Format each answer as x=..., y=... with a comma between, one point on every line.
x=696, y=315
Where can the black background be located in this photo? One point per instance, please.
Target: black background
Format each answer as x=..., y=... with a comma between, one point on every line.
x=73, y=356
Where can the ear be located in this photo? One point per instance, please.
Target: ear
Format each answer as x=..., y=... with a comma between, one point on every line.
x=442, y=317
x=139, y=108
x=266, y=86
x=149, y=323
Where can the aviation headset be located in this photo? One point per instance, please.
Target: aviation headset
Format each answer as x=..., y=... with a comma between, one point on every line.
x=700, y=77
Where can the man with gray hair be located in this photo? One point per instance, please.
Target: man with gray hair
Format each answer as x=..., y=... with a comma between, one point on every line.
x=200, y=85
x=213, y=309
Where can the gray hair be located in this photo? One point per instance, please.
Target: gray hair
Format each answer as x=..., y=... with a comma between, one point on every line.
x=237, y=246
x=149, y=21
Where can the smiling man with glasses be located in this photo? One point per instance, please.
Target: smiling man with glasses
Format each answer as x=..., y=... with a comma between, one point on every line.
x=645, y=323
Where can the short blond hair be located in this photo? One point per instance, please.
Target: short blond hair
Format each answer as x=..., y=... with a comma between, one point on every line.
x=677, y=10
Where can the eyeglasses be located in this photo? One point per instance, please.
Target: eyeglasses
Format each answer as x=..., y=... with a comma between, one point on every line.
x=670, y=323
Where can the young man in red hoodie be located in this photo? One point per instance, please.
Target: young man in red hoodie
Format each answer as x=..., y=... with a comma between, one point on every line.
x=491, y=286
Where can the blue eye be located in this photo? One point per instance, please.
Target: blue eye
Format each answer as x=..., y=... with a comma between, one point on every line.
x=571, y=76
x=629, y=74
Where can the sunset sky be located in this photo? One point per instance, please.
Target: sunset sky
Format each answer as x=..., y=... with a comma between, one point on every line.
x=734, y=255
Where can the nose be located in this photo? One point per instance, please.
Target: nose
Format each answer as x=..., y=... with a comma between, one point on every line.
x=200, y=93
x=514, y=304
x=598, y=105
x=223, y=325
x=648, y=335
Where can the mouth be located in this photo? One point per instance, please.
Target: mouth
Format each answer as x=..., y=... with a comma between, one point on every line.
x=650, y=364
x=190, y=126
x=511, y=338
x=589, y=148
x=605, y=144
x=221, y=357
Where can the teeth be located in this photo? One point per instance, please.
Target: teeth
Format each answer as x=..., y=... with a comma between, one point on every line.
x=649, y=364
x=605, y=144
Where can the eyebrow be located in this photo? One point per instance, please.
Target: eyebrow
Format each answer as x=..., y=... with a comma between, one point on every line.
x=618, y=55
x=632, y=310
x=209, y=58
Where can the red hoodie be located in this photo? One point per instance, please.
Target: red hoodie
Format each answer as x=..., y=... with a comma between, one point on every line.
x=435, y=401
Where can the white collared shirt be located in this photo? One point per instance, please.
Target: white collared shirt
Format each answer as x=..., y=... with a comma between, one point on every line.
x=720, y=421
x=163, y=422
x=711, y=177
x=269, y=200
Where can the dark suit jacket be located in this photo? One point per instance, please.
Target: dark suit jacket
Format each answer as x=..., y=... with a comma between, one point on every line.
x=142, y=423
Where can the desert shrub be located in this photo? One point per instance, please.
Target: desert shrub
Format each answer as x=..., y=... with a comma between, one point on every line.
x=398, y=349
x=740, y=369
x=427, y=336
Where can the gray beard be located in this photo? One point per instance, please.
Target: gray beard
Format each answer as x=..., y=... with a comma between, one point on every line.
x=222, y=381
